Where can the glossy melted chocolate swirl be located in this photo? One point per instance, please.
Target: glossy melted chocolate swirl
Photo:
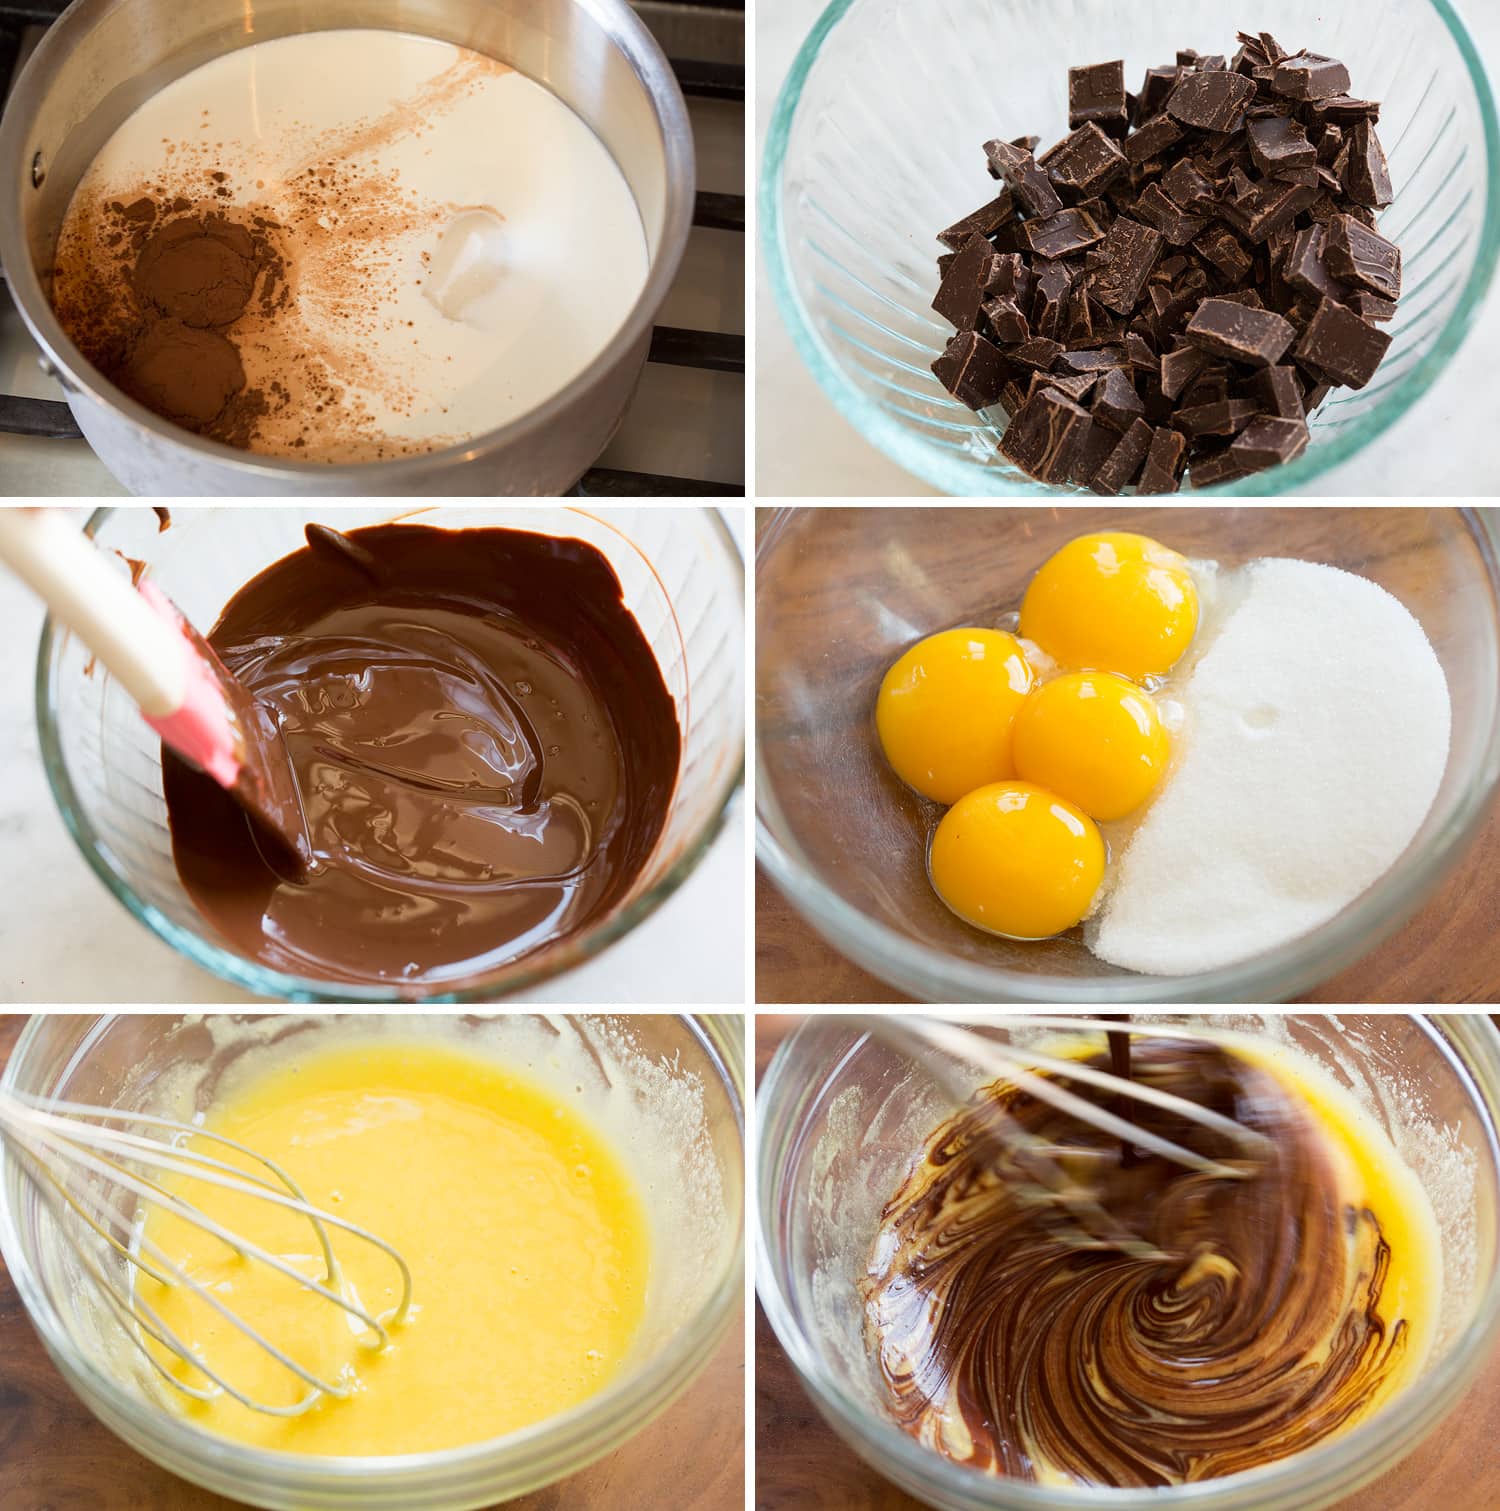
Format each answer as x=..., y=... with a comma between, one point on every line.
x=1004, y=1345
x=481, y=742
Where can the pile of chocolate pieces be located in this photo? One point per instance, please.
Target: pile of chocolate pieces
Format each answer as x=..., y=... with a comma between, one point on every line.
x=1180, y=281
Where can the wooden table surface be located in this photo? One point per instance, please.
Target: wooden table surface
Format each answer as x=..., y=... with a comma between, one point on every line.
x=55, y=1456
x=801, y=1464
x=1448, y=953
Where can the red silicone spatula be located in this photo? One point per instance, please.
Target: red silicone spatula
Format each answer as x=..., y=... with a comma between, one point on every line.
x=168, y=670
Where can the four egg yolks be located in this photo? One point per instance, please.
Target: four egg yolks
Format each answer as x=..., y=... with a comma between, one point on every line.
x=1112, y=602
x=1026, y=767
x=945, y=711
x=1017, y=860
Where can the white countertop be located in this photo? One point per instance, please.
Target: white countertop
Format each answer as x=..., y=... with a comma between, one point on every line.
x=64, y=939
x=1445, y=447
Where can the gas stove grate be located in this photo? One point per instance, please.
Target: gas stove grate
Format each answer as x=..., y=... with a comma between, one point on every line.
x=689, y=30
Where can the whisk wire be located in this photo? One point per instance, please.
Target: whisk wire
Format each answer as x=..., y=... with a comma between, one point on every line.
x=45, y=1132
x=1045, y=1182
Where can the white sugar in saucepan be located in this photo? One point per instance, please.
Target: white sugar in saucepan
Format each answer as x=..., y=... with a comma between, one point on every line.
x=1317, y=733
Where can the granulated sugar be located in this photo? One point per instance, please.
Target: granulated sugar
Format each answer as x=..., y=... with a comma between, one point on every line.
x=1317, y=734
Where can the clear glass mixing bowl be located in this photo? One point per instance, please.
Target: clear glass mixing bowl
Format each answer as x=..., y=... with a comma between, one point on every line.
x=697, y=1280
x=840, y=592
x=683, y=579
x=876, y=141
x=840, y=1116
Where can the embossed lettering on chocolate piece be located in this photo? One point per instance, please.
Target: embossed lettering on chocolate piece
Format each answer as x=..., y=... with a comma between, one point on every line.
x=1358, y=255
x=1003, y=1346
x=482, y=739
x=1097, y=95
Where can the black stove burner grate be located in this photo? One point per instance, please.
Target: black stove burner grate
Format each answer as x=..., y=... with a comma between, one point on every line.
x=710, y=351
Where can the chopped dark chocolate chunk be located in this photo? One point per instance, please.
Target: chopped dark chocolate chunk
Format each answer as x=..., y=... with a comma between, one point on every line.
x=1008, y=325
x=1211, y=101
x=1343, y=110
x=1226, y=252
x=1039, y=353
x=1178, y=368
x=1012, y=278
x=1309, y=77
x=1090, y=452
x=1217, y=417
x=1116, y=403
x=1096, y=95
x=964, y=285
x=1371, y=306
x=1174, y=223
x=1228, y=328
x=1340, y=346
x=1032, y=188
x=1306, y=268
x=1140, y=353
x=1042, y=434
x=1054, y=283
x=1158, y=84
x=1210, y=467
x=1154, y=138
x=1119, y=469
x=1084, y=163
x=985, y=221
x=1278, y=142
x=1186, y=186
x=1277, y=392
x=1268, y=207
x=1268, y=441
x=1075, y=386
x=1077, y=325
x=1063, y=234
x=1097, y=359
x=1366, y=177
x=972, y=370
x=1168, y=454
x=1360, y=256
x=1127, y=257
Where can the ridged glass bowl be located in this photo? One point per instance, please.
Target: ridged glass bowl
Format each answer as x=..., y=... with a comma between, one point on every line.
x=876, y=145
x=695, y=1065
x=841, y=592
x=840, y=1115
x=682, y=578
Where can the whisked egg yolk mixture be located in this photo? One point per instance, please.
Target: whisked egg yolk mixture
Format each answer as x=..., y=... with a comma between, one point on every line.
x=526, y=1238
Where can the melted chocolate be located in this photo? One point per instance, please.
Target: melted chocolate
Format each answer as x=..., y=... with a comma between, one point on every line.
x=483, y=745
x=1003, y=1345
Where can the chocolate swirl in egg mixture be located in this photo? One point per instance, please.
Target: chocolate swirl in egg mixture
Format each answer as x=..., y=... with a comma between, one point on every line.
x=483, y=744
x=1003, y=1346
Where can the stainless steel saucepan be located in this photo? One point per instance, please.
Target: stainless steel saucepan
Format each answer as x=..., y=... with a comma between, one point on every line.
x=103, y=58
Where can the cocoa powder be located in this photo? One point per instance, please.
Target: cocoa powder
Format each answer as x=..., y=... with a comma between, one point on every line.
x=164, y=331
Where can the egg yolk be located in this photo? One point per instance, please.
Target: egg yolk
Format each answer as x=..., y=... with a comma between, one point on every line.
x=1094, y=739
x=945, y=710
x=1017, y=860
x=1113, y=602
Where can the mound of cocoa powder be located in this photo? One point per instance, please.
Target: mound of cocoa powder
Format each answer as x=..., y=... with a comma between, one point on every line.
x=163, y=332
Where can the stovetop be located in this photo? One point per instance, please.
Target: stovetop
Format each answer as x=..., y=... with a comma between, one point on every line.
x=684, y=433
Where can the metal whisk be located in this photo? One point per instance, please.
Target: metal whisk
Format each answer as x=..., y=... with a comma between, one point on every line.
x=94, y=1160
x=1038, y=1171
